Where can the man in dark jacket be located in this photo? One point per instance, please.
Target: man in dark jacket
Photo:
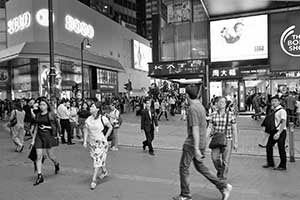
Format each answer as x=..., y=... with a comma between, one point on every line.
x=148, y=123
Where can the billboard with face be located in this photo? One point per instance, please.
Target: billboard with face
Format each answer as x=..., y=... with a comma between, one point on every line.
x=242, y=38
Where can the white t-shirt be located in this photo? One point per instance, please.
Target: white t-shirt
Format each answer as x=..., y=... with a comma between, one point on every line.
x=280, y=115
x=298, y=106
x=95, y=128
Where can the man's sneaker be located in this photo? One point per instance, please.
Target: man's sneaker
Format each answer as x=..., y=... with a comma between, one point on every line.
x=179, y=197
x=226, y=192
x=103, y=174
x=114, y=148
x=93, y=185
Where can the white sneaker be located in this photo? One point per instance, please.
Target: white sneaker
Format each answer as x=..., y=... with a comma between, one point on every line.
x=114, y=148
x=179, y=197
x=104, y=174
x=93, y=185
x=226, y=192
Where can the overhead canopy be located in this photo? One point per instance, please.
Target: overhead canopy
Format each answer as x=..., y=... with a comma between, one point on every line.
x=41, y=49
x=220, y=8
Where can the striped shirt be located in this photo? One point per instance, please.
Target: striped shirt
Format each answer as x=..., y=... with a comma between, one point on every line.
x=218, y=122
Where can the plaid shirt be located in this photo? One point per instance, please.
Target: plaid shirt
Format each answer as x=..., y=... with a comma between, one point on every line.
x=218, y=121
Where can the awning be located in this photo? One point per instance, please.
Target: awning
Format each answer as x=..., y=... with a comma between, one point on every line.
x=41, y=49
x=11, y=53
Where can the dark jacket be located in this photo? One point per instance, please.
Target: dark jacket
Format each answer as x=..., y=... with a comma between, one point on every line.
x=147, y=123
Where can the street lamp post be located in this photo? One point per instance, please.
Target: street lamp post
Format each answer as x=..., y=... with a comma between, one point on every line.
x=88, y=45
x=51, y=50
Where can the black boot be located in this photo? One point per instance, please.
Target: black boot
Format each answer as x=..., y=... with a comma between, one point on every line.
x=56, y=165
x=40, y=179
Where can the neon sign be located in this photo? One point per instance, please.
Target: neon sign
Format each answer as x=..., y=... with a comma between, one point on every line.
x=42, y=17
x=19, y=23
x=79, y=27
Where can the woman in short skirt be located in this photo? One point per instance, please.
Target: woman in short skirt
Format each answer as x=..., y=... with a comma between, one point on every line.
x=45, y=137
x=93, y=133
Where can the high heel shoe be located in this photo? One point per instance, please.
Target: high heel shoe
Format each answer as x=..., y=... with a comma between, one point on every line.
x=40, y=179
x=56, y=168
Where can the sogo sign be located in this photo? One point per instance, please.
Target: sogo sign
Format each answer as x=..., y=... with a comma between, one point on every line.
x=79, y=27
x=19, y=23
x=72, y=24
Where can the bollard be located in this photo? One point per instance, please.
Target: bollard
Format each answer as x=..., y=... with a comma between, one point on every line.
x=291, y=141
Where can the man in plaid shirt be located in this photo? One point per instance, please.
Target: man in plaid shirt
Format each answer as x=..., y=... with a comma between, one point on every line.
x=221, y=156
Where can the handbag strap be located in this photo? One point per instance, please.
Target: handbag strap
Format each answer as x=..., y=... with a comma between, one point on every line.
x=226, y=123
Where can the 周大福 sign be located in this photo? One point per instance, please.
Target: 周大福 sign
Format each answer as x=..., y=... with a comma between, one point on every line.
x=79, y=27
x=19, y=23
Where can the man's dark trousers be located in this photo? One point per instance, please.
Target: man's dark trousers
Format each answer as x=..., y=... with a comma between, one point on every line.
x=149, y=138
x=65, y=125
x=281, y=147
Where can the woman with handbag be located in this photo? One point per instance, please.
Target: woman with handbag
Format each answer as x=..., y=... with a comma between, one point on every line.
x=83, y=114
x=114, y=117
x=45, y=137
x=16, y=124
x=223, y=130
x=93, y=133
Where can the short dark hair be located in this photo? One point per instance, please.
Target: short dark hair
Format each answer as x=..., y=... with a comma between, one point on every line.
x=192, y=90
x=275, y=97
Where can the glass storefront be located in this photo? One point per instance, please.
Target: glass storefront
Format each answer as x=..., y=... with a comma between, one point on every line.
x=184, y=35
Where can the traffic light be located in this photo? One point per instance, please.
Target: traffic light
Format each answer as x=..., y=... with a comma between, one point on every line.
x=75, y=88
x=128, y=86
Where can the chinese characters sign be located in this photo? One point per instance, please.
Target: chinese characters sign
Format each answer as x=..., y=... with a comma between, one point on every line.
x=177, y=68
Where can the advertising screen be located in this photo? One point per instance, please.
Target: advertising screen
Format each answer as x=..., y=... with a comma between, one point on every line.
x=244, y=38
x=179, y=12
x=142, y=55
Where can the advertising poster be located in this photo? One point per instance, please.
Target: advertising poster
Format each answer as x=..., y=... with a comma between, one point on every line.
x=142, y=56
x=179, y=12
x=285, y=41
x=244, y=38
x=44, y=87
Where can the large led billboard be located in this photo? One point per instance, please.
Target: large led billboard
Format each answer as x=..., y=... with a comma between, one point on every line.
x=244, y=38
x=142, y=55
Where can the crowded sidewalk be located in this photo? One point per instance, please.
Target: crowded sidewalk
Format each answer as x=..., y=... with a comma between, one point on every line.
x=133, y=174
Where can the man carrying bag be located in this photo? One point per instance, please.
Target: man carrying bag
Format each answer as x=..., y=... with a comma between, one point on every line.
x=223, y=130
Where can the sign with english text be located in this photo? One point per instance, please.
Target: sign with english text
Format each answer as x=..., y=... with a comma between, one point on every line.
x=285, y=41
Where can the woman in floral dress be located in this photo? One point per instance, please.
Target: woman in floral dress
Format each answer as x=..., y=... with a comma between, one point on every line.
x=93, y=133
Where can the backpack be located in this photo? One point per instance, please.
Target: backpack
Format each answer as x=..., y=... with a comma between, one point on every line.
x=105, y=129
x=269, y=123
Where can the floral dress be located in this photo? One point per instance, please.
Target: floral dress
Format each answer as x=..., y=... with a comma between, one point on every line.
x=97, y=141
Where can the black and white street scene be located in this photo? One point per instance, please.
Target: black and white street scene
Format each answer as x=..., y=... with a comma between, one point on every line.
x=149, y=99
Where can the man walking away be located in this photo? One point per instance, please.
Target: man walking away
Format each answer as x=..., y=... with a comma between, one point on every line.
x=194, y=148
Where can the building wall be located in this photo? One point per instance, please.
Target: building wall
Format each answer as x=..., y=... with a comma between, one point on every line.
x=110, y=38
x=2, y=28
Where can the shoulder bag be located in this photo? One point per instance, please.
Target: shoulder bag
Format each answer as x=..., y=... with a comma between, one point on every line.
x=13, y=121
x=219, y=139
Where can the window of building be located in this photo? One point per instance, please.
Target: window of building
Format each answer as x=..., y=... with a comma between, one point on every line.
x=106, y=77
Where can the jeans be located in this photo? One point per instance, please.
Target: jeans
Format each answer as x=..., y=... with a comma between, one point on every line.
x=221, y=159
x=281, y=148
x=188, y=155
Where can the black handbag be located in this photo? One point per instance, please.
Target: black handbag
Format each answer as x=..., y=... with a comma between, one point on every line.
x=219, y=139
